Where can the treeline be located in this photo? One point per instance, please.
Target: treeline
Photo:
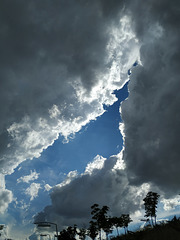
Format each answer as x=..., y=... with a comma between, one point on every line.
x=169, y=230
x=102, y=222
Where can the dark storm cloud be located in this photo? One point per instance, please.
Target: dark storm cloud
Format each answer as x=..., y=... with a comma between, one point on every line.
x=41, y=44
x=151, y=113
x=60, y=62
x=151, y=124
x=71, y=202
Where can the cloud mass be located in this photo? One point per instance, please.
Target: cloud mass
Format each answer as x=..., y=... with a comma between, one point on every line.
x=151, y=114
x=100, y=184
x=150, y=123
x=56, y=72
x=61, y=62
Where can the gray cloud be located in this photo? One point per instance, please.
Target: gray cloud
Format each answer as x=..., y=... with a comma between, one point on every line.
x=60, y=62
x=151, y=124
x=6, y=197
x=100, y=183
x=151, y=113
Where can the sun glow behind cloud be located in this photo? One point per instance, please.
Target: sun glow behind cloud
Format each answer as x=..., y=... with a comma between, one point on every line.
x=58, y=77
x=29, y=137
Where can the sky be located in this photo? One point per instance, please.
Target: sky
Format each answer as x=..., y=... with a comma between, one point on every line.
x=89, y=104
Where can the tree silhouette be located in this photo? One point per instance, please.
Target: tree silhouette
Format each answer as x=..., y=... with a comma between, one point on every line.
x=68, y=234
x=100, y=215
x=117, y=222
x=82, y=233
x=150, y=204
x=107, y=226
x=92, y=230
x=125, y=218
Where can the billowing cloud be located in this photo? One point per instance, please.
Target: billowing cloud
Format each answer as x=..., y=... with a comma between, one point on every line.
x=33, y=190
x=28, y=178
x=6, y=196
x=151, y=112
x=60, y=63
x=171, y=203
x=72, y=199
x=150, y=124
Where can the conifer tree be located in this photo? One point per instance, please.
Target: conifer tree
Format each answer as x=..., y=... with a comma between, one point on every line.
x=150, y=204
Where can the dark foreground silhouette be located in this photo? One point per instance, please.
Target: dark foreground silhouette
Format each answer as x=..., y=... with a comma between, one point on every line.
x=163, y=231
x=102, y=223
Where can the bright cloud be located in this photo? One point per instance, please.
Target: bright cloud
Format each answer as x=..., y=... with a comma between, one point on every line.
x=98, y=163
x=47, y=187
x=28, y=178
x=6, y=197
x=171, y=203
x=2, y=181
x=33, y=190
x=70, y=176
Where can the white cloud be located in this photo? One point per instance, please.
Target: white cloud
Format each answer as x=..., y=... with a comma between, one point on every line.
x=70, y=176
x=47, y=187
x=120, y=164
x=2, y=181
x=54, y=111
x=6, y=197
x=28, y=178
x=96, y=164
x=171, y=203
x=33, y=190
